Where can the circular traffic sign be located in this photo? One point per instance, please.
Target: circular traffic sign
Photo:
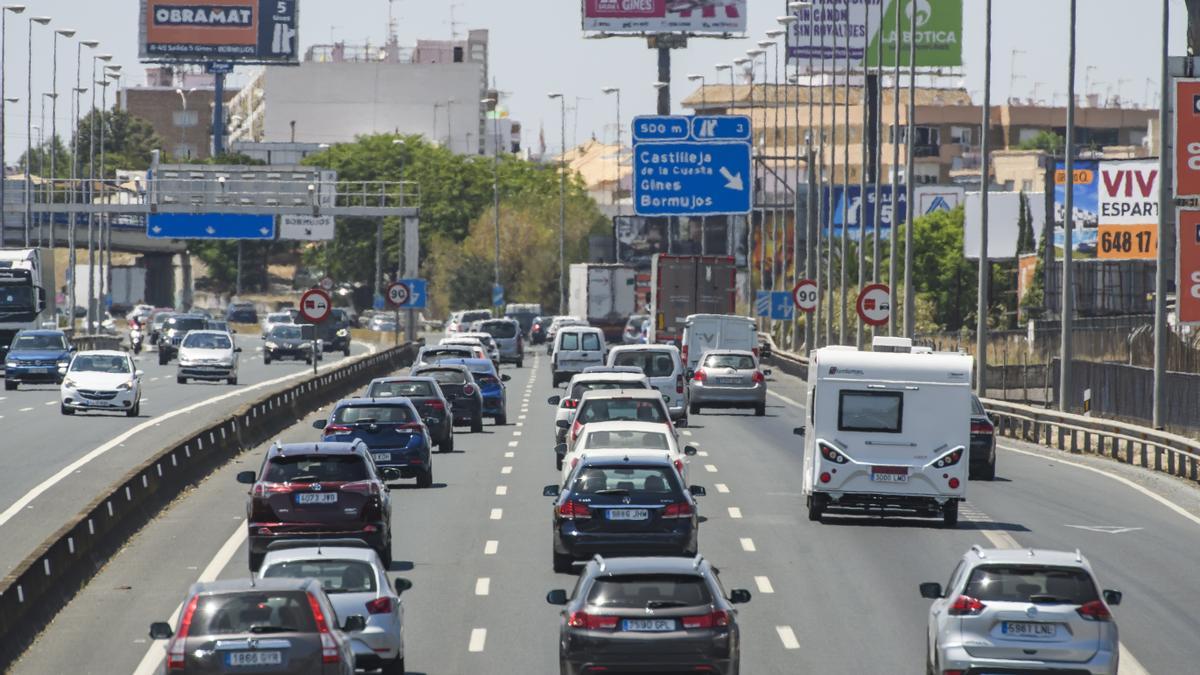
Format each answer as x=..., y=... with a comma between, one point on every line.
x=315, y=305
x=805, y=295
x=874, y=305
x=398, y=294
x=327, y=283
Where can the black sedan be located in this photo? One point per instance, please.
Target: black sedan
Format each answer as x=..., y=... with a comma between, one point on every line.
x=427, y=396
x=287, y=341
x=983, y=443
x=461, y=390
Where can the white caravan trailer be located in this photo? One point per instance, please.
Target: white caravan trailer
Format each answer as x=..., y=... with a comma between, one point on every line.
x=887, y=431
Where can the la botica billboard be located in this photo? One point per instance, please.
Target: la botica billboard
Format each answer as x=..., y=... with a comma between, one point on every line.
x=688, y=17
x=235, y=31
x=820, y=32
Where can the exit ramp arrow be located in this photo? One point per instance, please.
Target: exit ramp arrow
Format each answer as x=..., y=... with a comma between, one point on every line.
x=733, y=182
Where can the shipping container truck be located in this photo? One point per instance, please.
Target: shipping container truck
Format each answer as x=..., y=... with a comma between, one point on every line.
x=26, y=291
x=604, y=295
x=128, y=287
x=683, y=285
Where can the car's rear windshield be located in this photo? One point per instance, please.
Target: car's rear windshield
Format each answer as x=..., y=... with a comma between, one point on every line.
x=336, y=576
x=315, y=469
x=579, y=389
x=282, y=317
x=262, y=612
x=185, y=324
x=602, y=440
x=35, y=342
x=435, y=355
x=977, y=407
x=735, y=361
x=486, y=379
x=649, y=591
x=647, y=482
x=654, y=363
x=625, y=409
x=500, y=329
x=446, y=376
x=373, y=414
x=286, y=332
x=1028, y=583
x=387, y=389
x=478, y=315
x=207, y=341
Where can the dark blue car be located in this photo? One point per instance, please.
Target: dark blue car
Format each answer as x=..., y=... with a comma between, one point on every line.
x=491, y=385
x=36, y=357
x=392, y=430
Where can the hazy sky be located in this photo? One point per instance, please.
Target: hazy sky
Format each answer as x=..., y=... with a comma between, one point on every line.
x=537, y=47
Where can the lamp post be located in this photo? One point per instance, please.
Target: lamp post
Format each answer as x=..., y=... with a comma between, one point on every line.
x=910, y=289
x=562, y=195
x=786, y=23
x=112, y=75
x=776, y=215
x=40, y=20
x=753, y=55
x=616, y=92
x=103, y=84
x=182, y=128
x=91, y=314
x=4, y=10
x=1066, y=348
x=811, y=227
x=981, y=324
x=67, y=33
x=495, y=103
x=48, y=184
x=703, y=106
x=725, y=66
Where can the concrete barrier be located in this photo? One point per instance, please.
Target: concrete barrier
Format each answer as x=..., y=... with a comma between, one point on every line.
x=45, y=581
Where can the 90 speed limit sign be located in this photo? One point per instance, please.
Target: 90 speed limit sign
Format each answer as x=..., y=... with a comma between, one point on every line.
x=805, y=295
x=398, y=295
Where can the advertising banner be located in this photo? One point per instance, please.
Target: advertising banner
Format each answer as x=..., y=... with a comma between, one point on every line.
x=821, y=31
x=1187, y=138
x=235, y=31
x=1128, y=215
x=687, y=17
x=1086, y=207
x=1188, y=298
x=883, y=210
x=931, y=198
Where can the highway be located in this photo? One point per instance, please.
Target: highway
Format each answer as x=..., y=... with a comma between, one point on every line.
x=837, y=597
x=52, y=465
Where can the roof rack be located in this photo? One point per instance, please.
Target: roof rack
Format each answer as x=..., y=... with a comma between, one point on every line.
x=599, y=560
x=979, y=551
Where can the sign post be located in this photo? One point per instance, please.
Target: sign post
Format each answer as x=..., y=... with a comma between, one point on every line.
x=315, y=308
x=874, y=306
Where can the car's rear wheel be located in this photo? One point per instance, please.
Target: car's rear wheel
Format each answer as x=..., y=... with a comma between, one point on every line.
x=232, y=381
x=501, y=420
x=760, y=410
x=520, y=363
x=693, y=409
x=816, y=507
x=135, y=410
x=162, y=358
x=425, y=478
x=346, y=350
x=989, y=471
x=180, y=379
x=393, y=667
x=477, y=425
x=266, y=359
x=11, y=386
x=447, y=445
x=950, y=514
x=563, y=563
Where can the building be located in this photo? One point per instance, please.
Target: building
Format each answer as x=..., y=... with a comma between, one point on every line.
x=178, y=104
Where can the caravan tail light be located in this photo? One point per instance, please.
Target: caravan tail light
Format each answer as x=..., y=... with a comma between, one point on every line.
x=830, y=453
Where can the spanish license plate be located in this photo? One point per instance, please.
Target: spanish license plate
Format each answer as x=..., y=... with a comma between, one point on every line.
x=628, y=514
x=889, y=474
x=255, y=658
x=729, y=380
x=317, y=498
x=382, y=456
x=39, y=371
x=648, y=625
x=1029, y=629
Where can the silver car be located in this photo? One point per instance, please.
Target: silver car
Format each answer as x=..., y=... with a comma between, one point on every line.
x=506, y=333
x=1007, y=610
x=728, y=378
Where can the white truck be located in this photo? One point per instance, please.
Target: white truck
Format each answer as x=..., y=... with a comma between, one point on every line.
x=26, y=291
x=702, y=332
x=128, y=286
x=887, y=431
x=604, y=296
x=683, y=285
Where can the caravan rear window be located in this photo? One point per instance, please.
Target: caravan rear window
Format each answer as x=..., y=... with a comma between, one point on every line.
x=871, y=411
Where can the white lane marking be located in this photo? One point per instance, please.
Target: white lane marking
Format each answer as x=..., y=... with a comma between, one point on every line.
x=155, y=379
x=482, y=585
x=513, y=444
x=71, y=468
x=748, y=545
x=1128, y=664
x=788, y=637
x=721, y=487
x=516, y=433
x=510, y=454
x=785, y=399
x=478, y=639
x=491, y=547
x=520, y=424
x=735, y=512
x=998, y=538
x=702, y=453
x=501, y=490
x=687, y=432
x=520, y=417
x=158, y=650
x=497, y=514
x=25, y=409
x=506, y=469
x=711, y=468
x=56, y=402
x=764, y=585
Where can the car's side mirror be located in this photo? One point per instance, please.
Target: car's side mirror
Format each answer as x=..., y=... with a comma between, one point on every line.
x=931, y=590
x=237, y=350
x=1113, y=597
x=992, y=417
x=766, y=372
x=550, y=491
x=691, y=374
x=562, y=424
x=554, y=400
x=557, y=597
x=799, y=431
x=354, y=623
x=247, y=477
x=697, y=490
x=506, y=378
x=320, y=424
x=690, y=450
x=402, y=585
x=739, y=596
x=390, y=473
x=161, y=630
x=429, y=421
x=139, y=373
x=666, y=398
x=561, y=449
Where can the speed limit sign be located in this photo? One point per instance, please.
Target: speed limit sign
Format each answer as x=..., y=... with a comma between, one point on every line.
x=398, y=295
x=805, y=295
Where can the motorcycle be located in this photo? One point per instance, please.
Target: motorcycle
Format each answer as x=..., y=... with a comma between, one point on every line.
x=135, y=340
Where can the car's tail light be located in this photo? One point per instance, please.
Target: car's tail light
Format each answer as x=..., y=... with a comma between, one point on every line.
x=679, y=466
x=575, y=429
x=267, y=489
x=755, y=351
x=468, y=390
x=965, y=605
x=949, y=460
x=678, y=510
x=830, y=453
x=177, y=651
x=380, y=606
x=825, y=477
x=717, y=619
x=758, y=377
x=573, y=510
x=435, y=405
x=700, y=376
x=571, y=403
x=410, y=426
x=982, y=427
x=329, y=649
x=1095, y=610
x=591, y=621
x=684, y=354
x=338, y=429
x=679, y=384
x=363, y=487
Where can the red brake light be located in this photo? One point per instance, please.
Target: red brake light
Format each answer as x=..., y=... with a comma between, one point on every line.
x=679, y=466
x=266, y=489
x=436, y=405
x=825, y=477
x=718, y=619
x=338, y=429
x=679, y=384
x=965, y=605
x=329, y=650
x=575, y=429
x=469, y=390
x=700, y=376
x=677, y=510
x=570, y=403
x=591, y=621
x=949, y=460
x=366, y=487
x=1095, y=610
x=573, y=510
x=981, y=427
x=758, y=377
x=380, y=606
x=176, y=653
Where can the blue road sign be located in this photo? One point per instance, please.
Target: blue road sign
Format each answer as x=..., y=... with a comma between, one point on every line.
x=783, y=307
x=497, y=295
x=762, y=304
x=705, y=171
x=418, y=298
x=881, y=209
x=209, y=226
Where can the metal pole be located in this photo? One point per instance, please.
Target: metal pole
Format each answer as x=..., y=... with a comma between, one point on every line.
x=878, y=151
x=28, y=133
x=862, y=180
x=776, y=213
x=237, y=287
x=843, y=281
x=664, y=75
x=91, y=320
x=819, y=335
x=909, y=179
x=54, y=127
x=218, y=120
x=562, y=198
x=981, y=323
x=620, y=204
x=496, y=183
x=72, y=256
x=101, y=236
x=833, y=172
x=377, y=287
x=1068, y=297
x=1165, y=231
x=812, y=229
x=3, y=114
x=41, y=158
x=894, y=197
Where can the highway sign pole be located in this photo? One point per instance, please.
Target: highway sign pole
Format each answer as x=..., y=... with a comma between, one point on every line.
x=909, y=287
x=1165, y=233
x=895, y=174
x=315, y=308
x=843, y=271
x=1068, y=298
x=981, y=324
x=862, y=177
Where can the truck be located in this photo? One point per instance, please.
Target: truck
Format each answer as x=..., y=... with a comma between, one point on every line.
x=26, y=292
x=683, y=285
x=604, y=296
x=128, y=286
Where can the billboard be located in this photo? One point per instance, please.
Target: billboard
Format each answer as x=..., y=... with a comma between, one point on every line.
x=1188, y=298
x=1187, y=138
x=834, y=195
x=689, y=17
x=821, y=31
x=1128, y=216
x=235, y=31
x=1086, y=208
x=1004, y=216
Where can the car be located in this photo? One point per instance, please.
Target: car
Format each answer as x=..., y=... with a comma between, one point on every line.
x=392, y=430
x=608, y=405
x=663, y=366
x=1019, y=610
x=259, y=625
x=468, y=317
x=575, y=348
x=219, y=325
x=728, y=378
x=615, y=439
x=461, y=390
x=584, y=382
x=383, y=323
x=451, y=348
x=523, y=314
x=277, y=319
x=356, y=581
x=323, y=489
x=706, y=332
x=102, y=380
x=982, y=457
x=173, y=332
x=427, y=396
x=632, y=335
x=334, y=332
x=156, y=322
x=509, y=340
x=636, y=504
x=538, y=330
x=36, y=357
x=241, y=312
x=491, y=386
x=489, y=343
x=453, y=322
x=288, y=341
x=208, y=355
x=647, y=614
x=557, y=323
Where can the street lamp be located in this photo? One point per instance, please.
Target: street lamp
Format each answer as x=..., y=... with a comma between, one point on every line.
x=49, y=184
x=183, y=120
x=112, y=75
x=67, y=33
x=4, y=10
x=562, y=196
x=93, y=314
x=40, y=20
x=786, y=23
x=703, y=108
x=617, y=191
x=725, y=66
x=495, y=103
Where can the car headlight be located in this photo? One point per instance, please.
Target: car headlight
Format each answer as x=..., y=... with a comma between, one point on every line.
x=125, y=386
x=69, y=383
x=342, y=332
x=271, y=345
x=10, y=364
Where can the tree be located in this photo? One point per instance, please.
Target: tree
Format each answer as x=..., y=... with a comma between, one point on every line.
x=941, y=272
x=1025, y=236
x=128, y=141
x=1047, y=141
x=40, y=165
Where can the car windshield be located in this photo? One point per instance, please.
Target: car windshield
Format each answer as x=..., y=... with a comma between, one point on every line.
x=437, y=354
x=159, y=319
x=207, y=341
x=579, y=389
x=252, y=612
x=336, y=576
x=282, y=317
x=601, y=440
x=500, y=329
x=623, y=409
x=1028, y=583
x=373, y=414
x=977, y=407
x=389, y=389
x=36, y=342
x=184, y=324
x=286, y=333
x=646, y=482
x=315, y=469
x=16, y=297
x=99, y=363
x=735, y=361
x=654, y=363
x=649, y=591
x=446, y=376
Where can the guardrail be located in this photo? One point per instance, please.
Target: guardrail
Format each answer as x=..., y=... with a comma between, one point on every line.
x=46, y=580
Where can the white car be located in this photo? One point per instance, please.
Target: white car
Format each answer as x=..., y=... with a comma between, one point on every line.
x=208, y=355
x=663, y=366
x=558, y=322
x=583, y=383
x=576, y=348
x=618, y=439
x=354, y=578
x=488, y=342
x=430, y=355
x=102, y=380
x=478, y=349
x=616, y=405
x=276, y=319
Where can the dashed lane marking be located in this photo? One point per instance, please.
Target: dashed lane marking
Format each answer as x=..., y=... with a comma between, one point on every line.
x=513, y=444
x=25, y=409
x=497, y=514
x=478, y=639
x=764, y=585
x=788, y=637
x=501, y=490
x=516, y=433
x=711, y=468
x=722, y=488
x=735, y=512
x=748, y=545
x=506, y=469
x=702, y=453
x=482, y=585
x=490, y=547
x=510, y=454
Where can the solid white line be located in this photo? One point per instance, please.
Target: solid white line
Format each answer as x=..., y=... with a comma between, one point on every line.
x=748, y=545
x=501, y=490
x=482, y=585
x=491, y=547
x=721, y=487
x=785, y=399
x=497, y=514
x=764, y=585
x=711, y=468
x=735, y=512
x=478, y=639
x=506, y=469
x=788, y=637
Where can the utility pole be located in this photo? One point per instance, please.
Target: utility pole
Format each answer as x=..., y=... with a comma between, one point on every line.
x=4, y=10
x=833, y=172
x=41, y=20
x=910, y=312
x=562, y=196
x=981, y=324
x=844, y=280
x=862, y=178
x=1068, y=296
x=823, y=207
x=895, y=196
x=1165, y=225
x=67, y=33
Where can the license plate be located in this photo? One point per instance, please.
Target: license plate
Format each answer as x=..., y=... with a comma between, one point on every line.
x=255, y=658
x=889, y=474
x=628, y=514
x=729, y=380
x=648, y=625
x=39, y=371
x=317, y=498
x=382, y=456
x=1029, y=629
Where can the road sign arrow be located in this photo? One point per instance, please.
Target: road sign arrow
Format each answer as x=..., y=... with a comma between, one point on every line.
x=264, y=231
x=157, y=229
x=210, y=230
x=734, y=182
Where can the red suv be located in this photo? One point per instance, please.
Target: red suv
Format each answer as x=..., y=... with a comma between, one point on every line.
x=309, y=490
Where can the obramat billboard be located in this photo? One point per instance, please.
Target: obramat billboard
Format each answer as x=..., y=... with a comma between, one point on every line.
x=236, y=31
x=664, y=16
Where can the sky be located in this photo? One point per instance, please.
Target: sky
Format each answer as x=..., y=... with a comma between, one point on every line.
x=537, y=47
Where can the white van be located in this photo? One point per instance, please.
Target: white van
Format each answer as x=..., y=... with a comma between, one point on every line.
x=576, y=348
x=702, y=332
x=887, y=432
x=663, y=367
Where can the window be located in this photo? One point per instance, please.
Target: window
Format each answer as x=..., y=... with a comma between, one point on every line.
x=336, y=576
x=735, y=361
x=653, y=363
x=649, y=590
x=501, y=329
x=578, y=390
x=185, y=118
x=286, y=332
x=207, y=341
x=600, y=440
x=871, y=411
x=316, y=469
x=570, y=341
x=1022, y=583
x=388, y=389
x=116, y=365
x=234, y=613
x=374, y=414
x=446, y=376
x=36, y=342
x=962, y=135
x=648, y=482
x=626, y=409
x=591, y=342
